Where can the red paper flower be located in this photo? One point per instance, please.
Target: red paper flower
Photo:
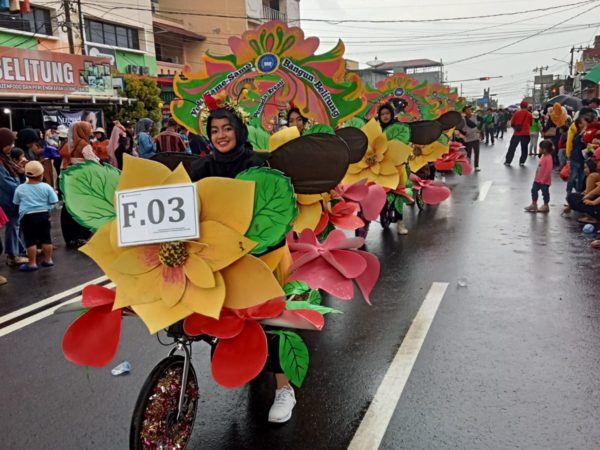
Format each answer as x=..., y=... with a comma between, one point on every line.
x=92, y=340
x=370, y=198
x=401, y=190
x=242, y=350
x=433, y=192
x=448, y=161
x=210, y=102
x=333, y=265
x=342, y=215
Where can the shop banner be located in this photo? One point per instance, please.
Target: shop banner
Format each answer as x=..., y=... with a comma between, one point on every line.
x=32, y=71
x=59, y=117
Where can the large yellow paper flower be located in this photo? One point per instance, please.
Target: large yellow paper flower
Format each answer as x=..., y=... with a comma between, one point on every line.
x=379, y=165
x=167, y=282
x=423, y=154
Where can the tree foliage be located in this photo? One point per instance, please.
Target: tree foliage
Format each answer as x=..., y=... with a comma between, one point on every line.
x=147, y=93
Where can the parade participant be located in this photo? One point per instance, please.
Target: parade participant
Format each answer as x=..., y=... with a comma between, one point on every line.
x=146, y=145
x=386, y=116
x=534, y=133
x=234, y=154
x=296, y=119
x=9, y=181
x=35, y=199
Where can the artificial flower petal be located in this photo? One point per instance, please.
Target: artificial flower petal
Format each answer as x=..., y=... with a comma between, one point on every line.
x=199, y=272
x=432, y=195
x=140, y=173
x=99, y=249
x=387, y=167
x=321, y=275
x=367, y=280
x=178, y=176
x=94, y=295
x=138, y=289
x=138, y=260
x=273, y=258
x=224, y=245
x=380, y=144
x=227, y=327
x=266, y=310
x=389, y=181
x=172, y=285
x=249, y=282
x=356, y=168
x=300, y=319
x=229, y=202
x=398, y=152
x=308, y=199
x=207, y=302
x=158, y=315
x=372, y=130
x=239, y=360
x=353, y=177
x=374, y=202
x=350, y=264
x=282, y=137
x=93, y=339
x=309, y=217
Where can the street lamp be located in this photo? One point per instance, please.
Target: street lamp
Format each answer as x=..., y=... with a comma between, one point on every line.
x=9, y=112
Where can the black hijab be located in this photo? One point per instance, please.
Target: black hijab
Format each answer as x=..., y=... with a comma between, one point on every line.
x=29, y=136
x=230, y=164
x=391, y=122
x=297, y=111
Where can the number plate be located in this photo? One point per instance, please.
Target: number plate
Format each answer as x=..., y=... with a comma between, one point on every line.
x=157, y=214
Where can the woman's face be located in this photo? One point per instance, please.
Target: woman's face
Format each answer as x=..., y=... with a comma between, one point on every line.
x=296, y=121
x=98, y=135
x=222, y=135
x=149, y=128
x=8, y=148
x=385, y=116
x=586, y=169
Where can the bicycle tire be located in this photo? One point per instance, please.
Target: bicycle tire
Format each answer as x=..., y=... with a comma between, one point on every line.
x=164, y=371
x=419, y=200
x=384, y=217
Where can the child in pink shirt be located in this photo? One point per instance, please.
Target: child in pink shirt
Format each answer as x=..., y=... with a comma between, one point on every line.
x=543, y=179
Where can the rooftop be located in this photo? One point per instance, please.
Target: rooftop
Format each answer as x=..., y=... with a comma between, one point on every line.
x=409, y=63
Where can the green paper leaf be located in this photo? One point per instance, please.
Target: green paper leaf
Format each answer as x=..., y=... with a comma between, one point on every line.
x=293, y=356
x=409, y=191
x=275, y=207
x=314, y=297
x=355, y=122
x=409, y=185
x=390, y=197
x=399, y=132
x=328, y=229
x=444, y=139
x=319, y=128
x=399, y=204
x=296, y=288
x=89, y=193
x=307, y=305
x=258, y=137
x=458, y=168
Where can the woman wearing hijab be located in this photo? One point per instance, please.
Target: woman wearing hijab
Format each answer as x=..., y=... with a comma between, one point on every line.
x=386, y=116
x=296, y=119
x=124, y=147
x=81, y=148
x=234, y=154
x=146, y=145
x=556, y=119
x=9, y=181
x=30, y=142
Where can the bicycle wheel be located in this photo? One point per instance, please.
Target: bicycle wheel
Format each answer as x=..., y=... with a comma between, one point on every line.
x=419, y=200
x=384, y=216
x=364, y=231
x=154, y=424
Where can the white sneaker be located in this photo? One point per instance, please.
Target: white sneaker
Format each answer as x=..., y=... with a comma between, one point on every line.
x=284, y=403
x=401, y=228
x=444, y=179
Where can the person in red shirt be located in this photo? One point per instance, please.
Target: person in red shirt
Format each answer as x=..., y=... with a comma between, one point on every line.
x=543, y=179
x=521, y=124
x=170, y=140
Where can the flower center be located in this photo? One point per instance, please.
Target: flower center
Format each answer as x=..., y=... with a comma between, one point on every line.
x=172, y=254
x=417, y=151
x=371, y=160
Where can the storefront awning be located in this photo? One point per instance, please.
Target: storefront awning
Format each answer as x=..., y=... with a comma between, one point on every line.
x=594, y=75
x=187, y=35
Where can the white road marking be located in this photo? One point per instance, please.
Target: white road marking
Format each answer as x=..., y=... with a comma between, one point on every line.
x=49, y=300
x=376, y=420
x=39, y=316
x=484, y=191
x=499, y=159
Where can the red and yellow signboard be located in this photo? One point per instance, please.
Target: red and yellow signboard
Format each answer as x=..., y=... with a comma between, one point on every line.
x=36, y=72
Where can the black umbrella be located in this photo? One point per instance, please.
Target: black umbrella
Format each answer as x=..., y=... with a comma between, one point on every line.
x=567, y=100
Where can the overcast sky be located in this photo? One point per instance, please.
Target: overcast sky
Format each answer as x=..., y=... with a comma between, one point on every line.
x=462, y=38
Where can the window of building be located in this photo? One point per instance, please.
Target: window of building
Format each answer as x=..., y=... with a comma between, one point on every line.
x=109, y=34
x=38, y=21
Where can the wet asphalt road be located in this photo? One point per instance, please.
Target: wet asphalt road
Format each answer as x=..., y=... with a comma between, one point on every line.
x=510, y=362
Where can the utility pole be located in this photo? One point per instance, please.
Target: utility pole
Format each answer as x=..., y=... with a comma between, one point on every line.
x=69, y=26
x=541, y=71
x=81, y=32
x=573, y=50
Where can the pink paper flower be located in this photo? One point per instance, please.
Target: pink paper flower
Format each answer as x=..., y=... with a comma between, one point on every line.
x=370, y=198
x=333, y=265
x=448, y=161
x=433, y=192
